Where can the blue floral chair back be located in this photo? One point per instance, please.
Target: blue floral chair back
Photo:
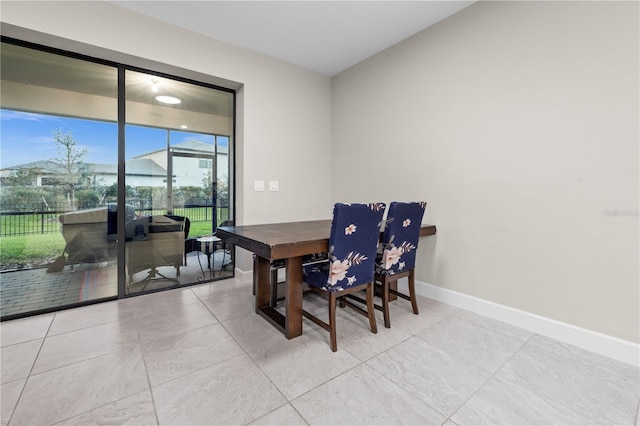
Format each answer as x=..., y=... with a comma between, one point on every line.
x=353, y=242
x=400, y=237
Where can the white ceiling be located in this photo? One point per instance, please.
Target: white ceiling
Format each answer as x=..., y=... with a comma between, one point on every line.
x=323, y=36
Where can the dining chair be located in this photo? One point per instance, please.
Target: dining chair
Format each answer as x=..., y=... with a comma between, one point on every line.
x=353, y=242
x=397, y=258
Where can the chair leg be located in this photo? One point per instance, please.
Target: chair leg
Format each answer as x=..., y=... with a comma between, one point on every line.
x=412, y=292
x=332, y=321
x=385, y=302
x=370, y=311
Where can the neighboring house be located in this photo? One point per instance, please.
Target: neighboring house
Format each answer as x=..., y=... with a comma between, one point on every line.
x=191, y=162
x=43, y=171
x=140, y=172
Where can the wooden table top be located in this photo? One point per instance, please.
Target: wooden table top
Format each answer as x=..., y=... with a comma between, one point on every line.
x=284, y=240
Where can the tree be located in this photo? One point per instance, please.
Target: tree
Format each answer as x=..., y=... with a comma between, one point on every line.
x=223, y=191
x=87, y=198
x=207, y=184
x=23, y=198
x=71, y=171
x=222, y=188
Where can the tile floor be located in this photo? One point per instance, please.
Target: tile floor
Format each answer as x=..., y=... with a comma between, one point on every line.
x=200, y=356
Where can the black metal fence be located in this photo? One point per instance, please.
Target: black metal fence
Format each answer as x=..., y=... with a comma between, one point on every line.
x=43, y=218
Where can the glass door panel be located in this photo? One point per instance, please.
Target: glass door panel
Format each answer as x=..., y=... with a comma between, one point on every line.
x=171, y=181
x=58, y=165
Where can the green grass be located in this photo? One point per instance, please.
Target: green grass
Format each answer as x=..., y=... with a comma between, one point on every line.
x=28, y=224
x=36, y=249
x=37, y=223
x=41, y=249
x=200, y=228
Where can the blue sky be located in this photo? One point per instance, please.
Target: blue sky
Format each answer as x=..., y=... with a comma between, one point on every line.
x=27, y=137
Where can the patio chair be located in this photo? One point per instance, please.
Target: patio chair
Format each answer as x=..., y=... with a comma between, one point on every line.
x=353, y=241
x=85, y=235
x=152, y=242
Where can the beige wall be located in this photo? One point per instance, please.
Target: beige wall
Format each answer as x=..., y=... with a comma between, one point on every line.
x=518, y=123
x=284, y=111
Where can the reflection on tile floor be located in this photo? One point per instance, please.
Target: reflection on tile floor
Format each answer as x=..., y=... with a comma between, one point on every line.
x=200, y=355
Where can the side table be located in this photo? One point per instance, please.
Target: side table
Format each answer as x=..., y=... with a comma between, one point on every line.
x=208, y=244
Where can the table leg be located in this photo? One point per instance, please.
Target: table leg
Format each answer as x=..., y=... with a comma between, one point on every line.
x=255, y=274
x=224, y=254
x=293, y=298
x=261, y=277
x=200, y=278
x=290, y=324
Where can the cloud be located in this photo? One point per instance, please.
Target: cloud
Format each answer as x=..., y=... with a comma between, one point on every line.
x=27, y=116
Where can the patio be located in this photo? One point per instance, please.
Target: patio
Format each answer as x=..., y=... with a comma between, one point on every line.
x=30, y=290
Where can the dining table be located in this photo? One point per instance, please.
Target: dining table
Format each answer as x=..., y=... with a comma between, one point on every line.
x=289, y=242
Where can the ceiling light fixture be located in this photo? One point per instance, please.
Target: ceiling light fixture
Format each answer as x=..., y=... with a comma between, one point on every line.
x=168, y=100
x=184, y=126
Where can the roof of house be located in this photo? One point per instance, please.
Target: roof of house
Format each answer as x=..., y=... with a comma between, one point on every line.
x=144, y=167
x=139, y=165
x=193, y=146
x=45, y=165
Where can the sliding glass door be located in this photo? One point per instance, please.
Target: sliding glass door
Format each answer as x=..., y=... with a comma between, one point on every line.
x=113, y=180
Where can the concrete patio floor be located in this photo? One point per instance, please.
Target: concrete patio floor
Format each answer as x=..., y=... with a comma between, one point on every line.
x=31, y=290
x=35, y=289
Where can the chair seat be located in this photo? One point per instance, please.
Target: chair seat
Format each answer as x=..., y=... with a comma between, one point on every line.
x=317, y=274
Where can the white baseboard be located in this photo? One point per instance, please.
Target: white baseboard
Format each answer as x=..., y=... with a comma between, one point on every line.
x=245, y=277
x=612, y=347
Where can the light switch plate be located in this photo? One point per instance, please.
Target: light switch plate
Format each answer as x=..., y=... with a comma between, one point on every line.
x=258, y=185
x=274, y=185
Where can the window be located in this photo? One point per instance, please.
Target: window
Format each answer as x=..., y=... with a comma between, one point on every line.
x=204, y=164
x=46, y=181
